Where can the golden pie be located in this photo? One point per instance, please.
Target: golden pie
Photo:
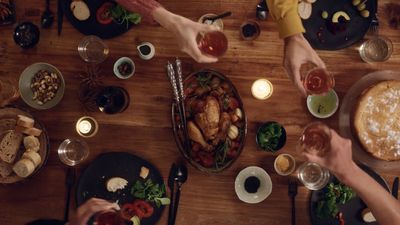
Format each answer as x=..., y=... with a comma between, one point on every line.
x=377, y=120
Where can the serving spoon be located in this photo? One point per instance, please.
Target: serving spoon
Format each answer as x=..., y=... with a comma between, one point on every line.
x=47, y=16
x=180, y=177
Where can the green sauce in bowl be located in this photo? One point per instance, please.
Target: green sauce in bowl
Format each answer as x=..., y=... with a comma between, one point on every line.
x=323, y=106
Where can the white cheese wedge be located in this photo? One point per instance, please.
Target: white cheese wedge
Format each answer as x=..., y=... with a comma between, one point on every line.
x=116, y=183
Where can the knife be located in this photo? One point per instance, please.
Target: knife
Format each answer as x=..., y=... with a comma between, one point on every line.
x=395, y=188
x=60, y=16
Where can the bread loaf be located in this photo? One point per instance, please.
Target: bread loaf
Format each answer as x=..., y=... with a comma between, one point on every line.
x=25, y=121
x=5, y=169
x=33, y=157
x=32, y=143
x=24, y=168
x=28, y=131
x=9, y=146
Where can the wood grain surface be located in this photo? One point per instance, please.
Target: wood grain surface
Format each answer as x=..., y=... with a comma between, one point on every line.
x=145, y=129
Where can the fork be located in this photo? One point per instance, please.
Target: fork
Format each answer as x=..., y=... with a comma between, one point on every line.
x=292, y=192
x=374, y=26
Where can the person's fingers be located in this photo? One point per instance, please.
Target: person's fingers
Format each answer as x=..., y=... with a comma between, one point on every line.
x=313, y=158
x=318, y=62
x=294, y=74
x=93, y=209
x=194, y=51
x=205, y=28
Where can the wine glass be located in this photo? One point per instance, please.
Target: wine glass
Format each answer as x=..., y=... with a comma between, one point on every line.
x=93, y=50
x=318, y=81
x=73, y=151
x=213, y=43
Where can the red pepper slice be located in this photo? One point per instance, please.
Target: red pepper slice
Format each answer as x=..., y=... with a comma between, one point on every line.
x=128, y=211
x=103, y=14
x=143, y=208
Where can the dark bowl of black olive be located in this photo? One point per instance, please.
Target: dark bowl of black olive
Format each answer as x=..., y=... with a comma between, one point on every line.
x=26, y=35
x=124, y=68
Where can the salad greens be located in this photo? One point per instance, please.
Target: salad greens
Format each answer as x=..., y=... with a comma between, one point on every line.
x=334, y=194
x=150, y=191
x=121, y=15
x=269, y=136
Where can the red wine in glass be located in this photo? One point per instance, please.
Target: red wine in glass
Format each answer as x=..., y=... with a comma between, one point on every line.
x=112, y=100
x=213, y=43
x=315, y=139
x=318, y=81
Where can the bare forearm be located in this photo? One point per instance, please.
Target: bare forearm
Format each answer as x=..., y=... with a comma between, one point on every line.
x=385, y=208
x=143, y=7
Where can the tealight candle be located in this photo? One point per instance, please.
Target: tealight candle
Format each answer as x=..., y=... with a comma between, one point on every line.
x=262, y=89
x=87, y=126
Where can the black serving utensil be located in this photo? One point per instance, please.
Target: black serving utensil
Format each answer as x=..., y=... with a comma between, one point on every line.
x=60, y=16
x=262, y=10
x=171, y=186
x=47, y=16
x=221, y=16
x=69, y=182
x=395, y=187
x=292, y=192
x=180, y=178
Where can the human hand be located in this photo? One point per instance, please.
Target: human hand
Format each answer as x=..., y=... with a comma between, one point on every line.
x=186, y=32
x=298, y=52
x=89, y=208
x=338, y=159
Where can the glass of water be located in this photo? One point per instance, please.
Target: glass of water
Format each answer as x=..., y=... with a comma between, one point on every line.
x=377, y=49
x=93, y=50
x=313, y=176
x=73, y=151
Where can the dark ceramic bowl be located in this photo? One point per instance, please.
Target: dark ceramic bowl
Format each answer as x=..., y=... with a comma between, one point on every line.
x=26, y=35
x=281, y=142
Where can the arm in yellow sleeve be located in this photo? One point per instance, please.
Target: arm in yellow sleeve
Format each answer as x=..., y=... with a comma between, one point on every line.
x=286, y=15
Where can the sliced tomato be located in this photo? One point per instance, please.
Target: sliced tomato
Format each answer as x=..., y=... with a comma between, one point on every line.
x=128, y=211
x=103, y=14
x=206, y=159
x=143, y=208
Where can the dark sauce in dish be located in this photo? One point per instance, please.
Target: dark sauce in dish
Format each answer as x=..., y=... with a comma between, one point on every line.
x=252, y=184
x=145, y=49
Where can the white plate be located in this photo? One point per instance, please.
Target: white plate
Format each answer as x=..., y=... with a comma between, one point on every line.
x=264, y=190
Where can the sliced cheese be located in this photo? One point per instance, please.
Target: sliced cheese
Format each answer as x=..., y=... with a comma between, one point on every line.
x=367, y=216
x=116, y=183
x=144, y=172
x=305, y=10
x=32, y=156
x=80, y=10
x=24, y=168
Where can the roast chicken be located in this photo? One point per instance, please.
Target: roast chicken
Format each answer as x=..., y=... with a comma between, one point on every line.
x=209, y=119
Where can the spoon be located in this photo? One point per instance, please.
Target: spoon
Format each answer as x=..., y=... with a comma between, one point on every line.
x=214, y=18
x=180, y=177
x=262, y=10
x=47, y=16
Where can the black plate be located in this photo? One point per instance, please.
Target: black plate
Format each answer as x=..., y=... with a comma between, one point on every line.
x=91, y=26
x=92, y=182
x=357, y=27
x=351, y=210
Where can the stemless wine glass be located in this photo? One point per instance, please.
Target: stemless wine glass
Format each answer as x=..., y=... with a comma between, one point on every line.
x=213, y=43
x=73, y=151
x=318, y=81
x=315, y=140
x=113, y=100
x=93, y=50
x=109, y=218
x=377, y=49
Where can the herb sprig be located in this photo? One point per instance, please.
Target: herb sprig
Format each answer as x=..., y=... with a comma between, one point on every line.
x=150, y=191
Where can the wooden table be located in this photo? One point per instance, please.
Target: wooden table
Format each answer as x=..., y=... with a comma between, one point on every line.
x=144, y=128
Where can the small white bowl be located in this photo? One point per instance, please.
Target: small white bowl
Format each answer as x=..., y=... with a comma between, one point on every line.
x=291, y=160
x=152, y=51
x=119, y=62
x=313, y=100
x=264, y=190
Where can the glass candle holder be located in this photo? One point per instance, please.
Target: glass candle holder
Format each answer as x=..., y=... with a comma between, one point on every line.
x=87, y=127
x=262, y=89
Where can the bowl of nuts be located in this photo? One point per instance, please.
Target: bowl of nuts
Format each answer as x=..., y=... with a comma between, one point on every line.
x=41, y=86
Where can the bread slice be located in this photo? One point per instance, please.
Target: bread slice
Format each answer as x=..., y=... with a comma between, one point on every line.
x=23, y=168
x=7, y=124
x=5, y=169
x=28, y=131
x=9, y=146
x=25, y=121
x=144, y=172
x=32, y=156
x=32, y=143
x=80, y=10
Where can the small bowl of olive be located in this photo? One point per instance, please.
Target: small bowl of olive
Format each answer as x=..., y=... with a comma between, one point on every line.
x=124, y=68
